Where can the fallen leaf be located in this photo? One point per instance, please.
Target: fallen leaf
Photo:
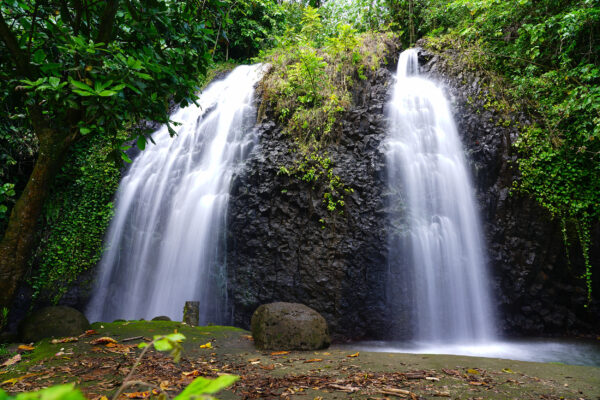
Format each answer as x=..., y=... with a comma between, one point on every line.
x=206, y=346
x=326, y=354
x=347, y=388
x=11, y=361
x=432, y=378
x=269, y=367
x=103, y=340
x=64, y=340
x=138, y=395
x=248, y=337
x=250, y=360
x=89, y=332
x=279, y=353
x=473, y=383
x=25, y=347
x=313, y=360
x=451, y=372
x=472, y=371
x=441, y=394
x=191, y=373
x=20, y=378
x=508, y=370
x=164, y=385
x=354, y=355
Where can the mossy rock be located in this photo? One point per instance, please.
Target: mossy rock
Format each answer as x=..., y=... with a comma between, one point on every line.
x=56, y=321
x=289, y=326
x=161, y=318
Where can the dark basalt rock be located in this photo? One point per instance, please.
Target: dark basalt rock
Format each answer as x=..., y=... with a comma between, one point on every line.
x=279, y=250
x=289, y=326
x=56, y=321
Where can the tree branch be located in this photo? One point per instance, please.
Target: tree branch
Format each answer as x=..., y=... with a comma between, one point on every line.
x=107, y=21
x=18, y=55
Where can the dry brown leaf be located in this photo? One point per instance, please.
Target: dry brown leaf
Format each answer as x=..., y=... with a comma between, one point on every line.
x=313, y=360
x=248, y=337
x=11, y=361
x=279, y=353
x=138, y=395
x=354, y=355
x=347, y=388
x=89, y=332
x=269, y=367
x=103, y=340
x=64, y=340
x=25, y=347
x=191, y=373
x=451, y=372
x=164, y=385
x=474, y=383
x=441, y=394
x=17, y=379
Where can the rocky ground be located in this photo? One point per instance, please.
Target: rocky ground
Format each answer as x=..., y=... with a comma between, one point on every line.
x=99, y=369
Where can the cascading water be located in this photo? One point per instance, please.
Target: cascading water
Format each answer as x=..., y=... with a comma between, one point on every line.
x=164, y=243
x=450, y=298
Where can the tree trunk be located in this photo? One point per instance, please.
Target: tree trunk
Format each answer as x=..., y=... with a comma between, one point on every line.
x=19, y=236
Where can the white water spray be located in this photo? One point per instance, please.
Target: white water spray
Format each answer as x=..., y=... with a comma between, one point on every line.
x=451, y=298
x=164, y=242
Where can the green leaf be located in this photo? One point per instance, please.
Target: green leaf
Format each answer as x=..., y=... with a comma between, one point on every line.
x=202, y=385
x=141, y=142
x=54, y=81
x=107, y=93
x=80, y=85
x=84, y=131
x=82, y=93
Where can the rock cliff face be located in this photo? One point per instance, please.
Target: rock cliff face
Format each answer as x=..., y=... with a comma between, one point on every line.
x=279, y=250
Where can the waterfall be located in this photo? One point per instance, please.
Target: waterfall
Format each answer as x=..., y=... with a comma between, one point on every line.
x=447, y=267
x=164, y=244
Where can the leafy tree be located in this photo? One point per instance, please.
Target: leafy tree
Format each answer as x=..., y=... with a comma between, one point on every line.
x=75, y=68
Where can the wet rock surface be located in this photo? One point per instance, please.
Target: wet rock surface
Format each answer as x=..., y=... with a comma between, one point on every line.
x=283, y=243
x=289, y=326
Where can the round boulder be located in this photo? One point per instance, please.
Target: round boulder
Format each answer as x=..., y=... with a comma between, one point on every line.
x=56, y=321
x=161, y=318
x=289, y=326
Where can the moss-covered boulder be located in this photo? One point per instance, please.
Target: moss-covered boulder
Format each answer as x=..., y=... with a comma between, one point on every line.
x=57, y=321
x=289, y=326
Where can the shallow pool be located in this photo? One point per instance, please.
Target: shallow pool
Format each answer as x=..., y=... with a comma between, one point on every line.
x=574, y=352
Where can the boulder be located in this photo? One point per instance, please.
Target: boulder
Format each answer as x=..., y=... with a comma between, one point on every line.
x=161, y=318
x=289, y=326
x=56, y=321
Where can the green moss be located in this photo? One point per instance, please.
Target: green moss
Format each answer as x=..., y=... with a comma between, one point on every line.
x=75, y=218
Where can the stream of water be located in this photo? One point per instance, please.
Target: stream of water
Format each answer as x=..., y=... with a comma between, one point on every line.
x=164, y=242
x=450, y=296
